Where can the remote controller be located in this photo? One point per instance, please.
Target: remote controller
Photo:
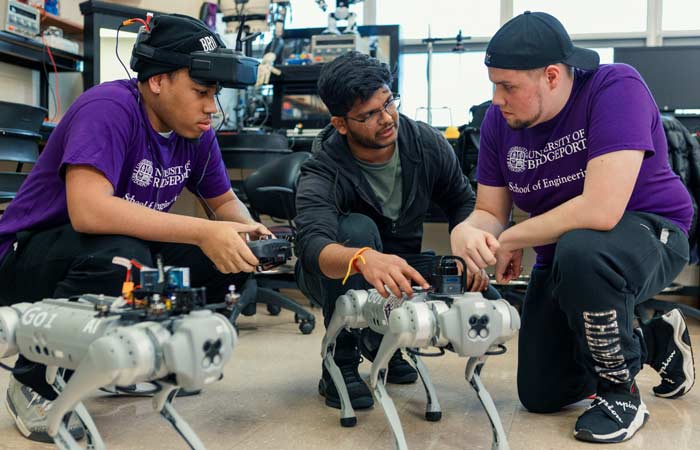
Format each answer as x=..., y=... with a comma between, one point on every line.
x=271, y=252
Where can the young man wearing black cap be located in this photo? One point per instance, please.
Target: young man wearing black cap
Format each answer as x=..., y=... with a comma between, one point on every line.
x=581, y=148
x=101, y=188
x=366, y=191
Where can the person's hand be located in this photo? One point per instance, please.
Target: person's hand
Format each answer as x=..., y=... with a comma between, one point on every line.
x=509, y=264
x=266, y=68
x=477, y=247
x=477, y=282
x=260, y=231
x=225, y=246
x=382, y=270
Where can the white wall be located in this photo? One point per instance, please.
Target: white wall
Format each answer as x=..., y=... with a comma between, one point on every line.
x=17, y=84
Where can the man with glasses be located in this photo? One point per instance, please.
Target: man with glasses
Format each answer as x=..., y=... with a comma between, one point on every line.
x=365, y=192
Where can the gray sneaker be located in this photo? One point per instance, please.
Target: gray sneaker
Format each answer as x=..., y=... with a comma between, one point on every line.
x=29, y=410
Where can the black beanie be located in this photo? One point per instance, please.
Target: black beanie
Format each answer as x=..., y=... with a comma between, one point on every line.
x=175, y=33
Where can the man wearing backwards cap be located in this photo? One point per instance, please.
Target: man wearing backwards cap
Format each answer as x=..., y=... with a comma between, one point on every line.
x=112, y=168
x=582, y=149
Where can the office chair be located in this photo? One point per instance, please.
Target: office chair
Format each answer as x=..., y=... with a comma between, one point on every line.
x=19, y=143
x=250, y=150
x=271, y=190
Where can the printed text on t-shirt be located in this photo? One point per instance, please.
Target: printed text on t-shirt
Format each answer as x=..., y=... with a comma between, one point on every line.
x=520, y=159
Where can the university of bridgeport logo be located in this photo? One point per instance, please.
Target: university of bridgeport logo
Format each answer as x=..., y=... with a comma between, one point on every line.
x=143, y=173
x=516, y=159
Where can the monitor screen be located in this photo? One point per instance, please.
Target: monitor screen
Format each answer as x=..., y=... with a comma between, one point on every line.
x=672, y=73
x=304, y=107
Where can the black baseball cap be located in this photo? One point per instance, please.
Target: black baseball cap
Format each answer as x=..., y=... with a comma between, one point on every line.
x=533, y=40
x=174, y=33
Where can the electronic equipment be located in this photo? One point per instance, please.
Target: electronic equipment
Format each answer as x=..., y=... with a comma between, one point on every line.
x=327, y=47
x=296, y=100
x=271, y=252
x=20, y=19
x=62, y=43
x=446, y=277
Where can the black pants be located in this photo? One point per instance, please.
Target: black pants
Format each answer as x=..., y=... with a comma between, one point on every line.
x=60, y=263
x=356, y=230
x=578, y=314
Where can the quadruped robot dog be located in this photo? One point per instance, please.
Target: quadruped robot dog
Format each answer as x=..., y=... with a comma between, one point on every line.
x=162, y=332
x=444, y=317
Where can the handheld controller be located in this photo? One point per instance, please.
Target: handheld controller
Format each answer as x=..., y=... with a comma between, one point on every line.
x=271, y=252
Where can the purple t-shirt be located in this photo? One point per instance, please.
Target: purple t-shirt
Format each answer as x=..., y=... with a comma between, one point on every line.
x=107, y=128
x=609, y=109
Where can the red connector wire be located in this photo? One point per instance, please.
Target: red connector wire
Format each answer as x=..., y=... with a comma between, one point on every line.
x=145, y=23
x=55, y=71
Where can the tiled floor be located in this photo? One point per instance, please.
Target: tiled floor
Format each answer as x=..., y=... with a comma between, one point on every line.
x=268, y=400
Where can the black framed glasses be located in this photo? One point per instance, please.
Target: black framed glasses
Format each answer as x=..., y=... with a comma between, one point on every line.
x=390, y=107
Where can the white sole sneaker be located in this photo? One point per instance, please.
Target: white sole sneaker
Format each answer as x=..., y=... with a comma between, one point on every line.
x=620, y=435
x=676, y=320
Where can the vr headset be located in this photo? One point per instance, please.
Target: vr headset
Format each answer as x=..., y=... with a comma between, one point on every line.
x=222, y=66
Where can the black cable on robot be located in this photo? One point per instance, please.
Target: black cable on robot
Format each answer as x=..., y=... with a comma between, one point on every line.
x=501, y=350
x=440, y=352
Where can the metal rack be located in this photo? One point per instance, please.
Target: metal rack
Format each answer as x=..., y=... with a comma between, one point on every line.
x=25, y=52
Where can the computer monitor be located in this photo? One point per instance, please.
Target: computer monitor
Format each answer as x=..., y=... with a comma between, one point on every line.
x=672, y=73
x=303, y=107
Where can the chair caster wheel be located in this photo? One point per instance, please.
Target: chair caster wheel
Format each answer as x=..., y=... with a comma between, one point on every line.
x=348, y=422
x=433, y=416
x=249, y=310
x=306, y=327
x=274, y=310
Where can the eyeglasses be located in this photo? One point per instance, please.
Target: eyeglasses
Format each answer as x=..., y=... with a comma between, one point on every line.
x=390, y=107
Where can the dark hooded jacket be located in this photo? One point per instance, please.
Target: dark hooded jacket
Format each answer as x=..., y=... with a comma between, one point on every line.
x=684, y=159
x=331, y=185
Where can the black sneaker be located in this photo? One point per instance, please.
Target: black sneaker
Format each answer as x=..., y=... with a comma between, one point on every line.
x=673, y=355
x=358, y=391
x=400, y=371
x=614, y=416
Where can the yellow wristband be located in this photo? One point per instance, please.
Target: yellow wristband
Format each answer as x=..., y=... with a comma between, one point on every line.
x=358, y=254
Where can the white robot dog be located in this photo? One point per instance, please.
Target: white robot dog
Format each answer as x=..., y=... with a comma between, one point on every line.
x=466, y=323
x=169, y=338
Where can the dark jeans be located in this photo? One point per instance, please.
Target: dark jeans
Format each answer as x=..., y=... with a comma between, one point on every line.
x=578, y=314
x=61, y=263
x=356, y=230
